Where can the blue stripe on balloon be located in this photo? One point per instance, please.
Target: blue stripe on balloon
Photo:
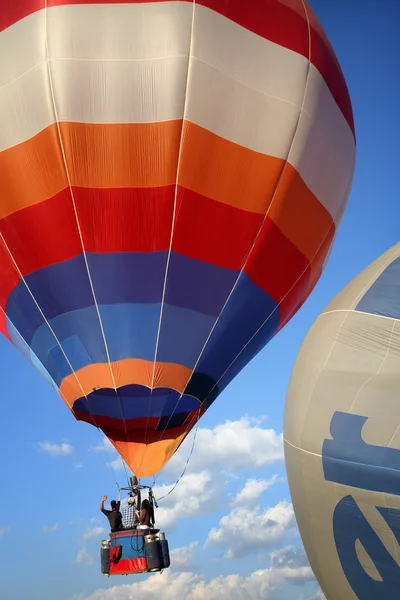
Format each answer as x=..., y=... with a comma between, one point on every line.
x=135, y=402
x=131, y=328
x=197, y=285
x=118, y=278
x=248, y=309
x=383, y=296
x=130, y=331
x=183, y=334
x=127, y=277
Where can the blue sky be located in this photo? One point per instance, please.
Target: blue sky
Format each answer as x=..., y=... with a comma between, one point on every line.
x=53, y=473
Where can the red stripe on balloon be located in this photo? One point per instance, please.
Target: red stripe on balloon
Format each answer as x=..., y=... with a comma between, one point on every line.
x=8, y=280
x=213, y=232
x=131, y=430
x=110, y=220
x=278, y=267
x=125, y=220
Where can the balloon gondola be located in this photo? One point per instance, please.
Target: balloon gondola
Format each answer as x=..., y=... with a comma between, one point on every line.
x=134, y=550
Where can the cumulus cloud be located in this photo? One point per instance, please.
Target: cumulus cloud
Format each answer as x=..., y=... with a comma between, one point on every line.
x=233, y=445
x=251, y=492
x=56, y=449
x=182, y=559
x=92, y=533
x=50, y=528
x=103, y=446
x=260, y=585
x=288, y=557
x=293, y=561
x=117, y=464
x=317, y=596
x=4, y=530
x=197, y=494
x=84, y=557
x=245, y=531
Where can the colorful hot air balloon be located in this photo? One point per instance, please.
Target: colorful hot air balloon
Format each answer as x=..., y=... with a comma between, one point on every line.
x=342, y=437
x=172, y=175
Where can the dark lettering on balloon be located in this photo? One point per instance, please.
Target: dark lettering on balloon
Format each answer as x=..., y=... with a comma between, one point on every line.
x=348, y=460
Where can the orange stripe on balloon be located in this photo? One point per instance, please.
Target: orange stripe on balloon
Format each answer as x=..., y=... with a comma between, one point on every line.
x=122, y=155
x=99, y=156
x=227, y=172
x=146, y=155
x=298, y=214
x=31, y=172
x=126, y=372
x=146, y=460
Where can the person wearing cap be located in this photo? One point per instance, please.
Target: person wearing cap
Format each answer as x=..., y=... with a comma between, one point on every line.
x=114, y=516
x=129, y=514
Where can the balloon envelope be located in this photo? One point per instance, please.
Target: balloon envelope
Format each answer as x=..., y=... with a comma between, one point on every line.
x=172, y=177
x=342, y=437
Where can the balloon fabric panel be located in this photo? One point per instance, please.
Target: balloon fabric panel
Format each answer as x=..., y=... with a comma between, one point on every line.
x=167, y=199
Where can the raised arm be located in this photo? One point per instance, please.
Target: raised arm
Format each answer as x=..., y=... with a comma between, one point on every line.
x=104, y=498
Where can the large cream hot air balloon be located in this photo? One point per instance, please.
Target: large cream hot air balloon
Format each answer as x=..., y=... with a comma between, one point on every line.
x=172, y=175
x=342, y=437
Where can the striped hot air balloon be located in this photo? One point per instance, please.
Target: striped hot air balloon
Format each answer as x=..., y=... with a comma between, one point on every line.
x=342, y=437
x=172, y=176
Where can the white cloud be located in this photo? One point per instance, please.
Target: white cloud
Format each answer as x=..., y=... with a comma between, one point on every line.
x=288, y=557
x=84, y=558
x=50, y=528
x=182, y=558
x=117, y=464
x=92, y=533
x=104, y=446
x=232, y=445
x=4, y=530
x=245, y=531
x=317, y=596
x=252, y=490
x=56, y=449
x=197, y=494
x=260, y=585
x=241, y=444
x=293, y=560
x=79, y=466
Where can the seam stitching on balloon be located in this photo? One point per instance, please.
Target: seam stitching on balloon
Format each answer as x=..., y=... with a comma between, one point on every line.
x=352, y=310
x=172, y=231
x=76, y=216
x=374, y=374
x=340, y=329
x=247, y=256
x=43, y=317
x=31, y=352
x=334, y=222
x=316, y=253
x=397, y=428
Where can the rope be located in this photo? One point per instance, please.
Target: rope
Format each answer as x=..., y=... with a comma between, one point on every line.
x=108, y=462
x=186, y=464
